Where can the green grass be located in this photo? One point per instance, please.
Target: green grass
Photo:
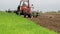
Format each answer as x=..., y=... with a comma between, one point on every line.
x=13, y=24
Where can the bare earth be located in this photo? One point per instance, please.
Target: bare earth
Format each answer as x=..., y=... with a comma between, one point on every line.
x=50, y=21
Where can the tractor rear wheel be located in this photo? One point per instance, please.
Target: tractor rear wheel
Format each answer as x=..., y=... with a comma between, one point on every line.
x=19, y=13
x=29, y=15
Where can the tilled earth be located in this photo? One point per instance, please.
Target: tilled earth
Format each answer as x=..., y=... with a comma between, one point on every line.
x=50, y=21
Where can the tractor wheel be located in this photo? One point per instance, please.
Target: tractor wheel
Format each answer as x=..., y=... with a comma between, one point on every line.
x=19, y=13
x=29, y=15
x=16, y=12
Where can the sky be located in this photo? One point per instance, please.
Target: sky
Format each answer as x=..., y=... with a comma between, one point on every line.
x=41, y=5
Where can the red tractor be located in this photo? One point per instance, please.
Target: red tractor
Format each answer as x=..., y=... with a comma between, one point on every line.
x=24, y=8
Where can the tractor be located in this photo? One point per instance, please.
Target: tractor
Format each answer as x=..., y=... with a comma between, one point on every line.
x=24, y=8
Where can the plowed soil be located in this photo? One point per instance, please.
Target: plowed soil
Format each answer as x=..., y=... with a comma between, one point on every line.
x=50, y=21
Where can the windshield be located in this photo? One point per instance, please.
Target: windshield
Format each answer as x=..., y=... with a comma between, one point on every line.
x=24, y=3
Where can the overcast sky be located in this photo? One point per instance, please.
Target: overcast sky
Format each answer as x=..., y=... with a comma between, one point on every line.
x=42, y=5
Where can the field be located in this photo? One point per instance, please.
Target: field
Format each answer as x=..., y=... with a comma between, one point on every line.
x=49, y=20
x=11, y=23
